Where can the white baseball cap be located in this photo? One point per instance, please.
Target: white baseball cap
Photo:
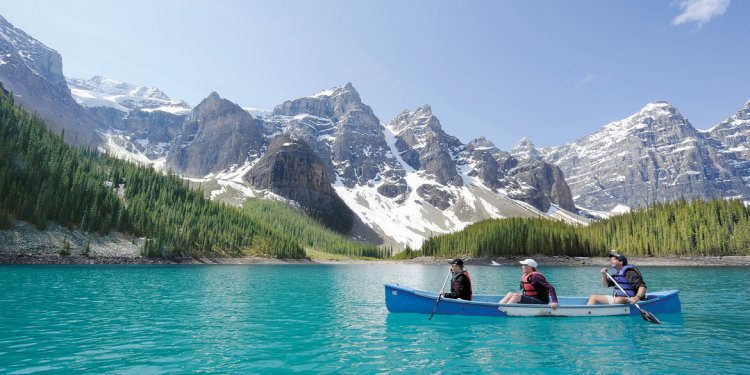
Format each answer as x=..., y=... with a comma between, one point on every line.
x=529, y=262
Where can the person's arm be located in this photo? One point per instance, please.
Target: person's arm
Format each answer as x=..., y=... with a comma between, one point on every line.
x=640, y=295
x=546, y=285
x=635, y=279
x=605, y=280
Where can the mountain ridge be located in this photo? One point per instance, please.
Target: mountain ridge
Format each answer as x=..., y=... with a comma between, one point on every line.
x=405, y=179
x=654, y=155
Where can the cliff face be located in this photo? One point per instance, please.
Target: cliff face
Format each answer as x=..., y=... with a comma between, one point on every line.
x=547, y=185
x=344, y=132
x=217, y=135
x=423, y=145
x=734, y=135
x=652, y=156
x=33, y=72
x=292, y=170
x=533, y=181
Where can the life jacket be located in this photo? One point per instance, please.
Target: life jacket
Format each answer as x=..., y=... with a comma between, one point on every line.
x=619, y=276
x=528, y=289
x=455, y=284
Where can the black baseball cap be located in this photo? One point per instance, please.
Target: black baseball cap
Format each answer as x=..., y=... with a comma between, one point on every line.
x=458, y=262
x=619, y=257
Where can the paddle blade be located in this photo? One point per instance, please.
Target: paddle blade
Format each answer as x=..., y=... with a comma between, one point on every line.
x=649, y=317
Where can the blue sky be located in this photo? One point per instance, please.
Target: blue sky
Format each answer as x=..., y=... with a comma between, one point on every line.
x=551, y=71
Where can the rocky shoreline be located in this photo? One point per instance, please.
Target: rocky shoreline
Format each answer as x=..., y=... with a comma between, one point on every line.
x=24, y=244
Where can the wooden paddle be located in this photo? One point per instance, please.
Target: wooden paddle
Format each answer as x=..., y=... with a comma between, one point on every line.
x=440, y=295
x=647, y=316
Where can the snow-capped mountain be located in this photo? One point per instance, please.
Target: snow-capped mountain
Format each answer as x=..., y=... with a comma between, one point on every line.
x=218, y=135
x=655, y=155
x=99, y=91
x=140, y=122
x=734, y=134
x=33, y=73
x=404, y=180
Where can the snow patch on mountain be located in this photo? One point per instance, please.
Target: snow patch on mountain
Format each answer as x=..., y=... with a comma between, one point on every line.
x=258, y=113
x=115, y=148
x=99, y=91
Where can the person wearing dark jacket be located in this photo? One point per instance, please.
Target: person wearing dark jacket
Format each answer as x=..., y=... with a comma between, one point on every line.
x=629, y=278
x=460, y=282
x=535, y=287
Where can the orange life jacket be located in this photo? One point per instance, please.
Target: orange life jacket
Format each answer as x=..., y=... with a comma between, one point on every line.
x=528, y=289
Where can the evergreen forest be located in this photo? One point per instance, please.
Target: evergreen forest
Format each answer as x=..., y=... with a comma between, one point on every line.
x=718, y=227
x=307, y=230
x=44, y=180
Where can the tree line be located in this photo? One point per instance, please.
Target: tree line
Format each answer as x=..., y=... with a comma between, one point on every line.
x=310, y=233
x=717, y=227
x=43, y=180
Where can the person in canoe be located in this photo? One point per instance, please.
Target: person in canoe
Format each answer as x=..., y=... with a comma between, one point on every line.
x=629, y=278
x=535, y=287
x=460, y=282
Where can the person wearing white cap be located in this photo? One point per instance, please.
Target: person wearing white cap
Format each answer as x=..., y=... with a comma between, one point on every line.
x=535, y=287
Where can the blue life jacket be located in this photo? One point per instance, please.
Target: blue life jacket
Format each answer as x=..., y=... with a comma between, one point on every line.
x=619, y=276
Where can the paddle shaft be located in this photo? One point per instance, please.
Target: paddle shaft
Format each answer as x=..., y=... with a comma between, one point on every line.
x=643, y=312
x=440, y=295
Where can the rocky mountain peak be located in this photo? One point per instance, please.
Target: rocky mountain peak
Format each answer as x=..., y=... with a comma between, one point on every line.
x=424, y=145
x=655, y=124
x=421, y=120
x=655, y=155
x=33, y=73
x=744, y=113
x=525, y=149
x=20, y=48
x=213, y=105
x=333, y=103
x=734, y=135
x=656, y=110
x=99, y=91
x=480, y=143
x=218, y=135
x=425, y=110
x=291, y=169
x=740, y=120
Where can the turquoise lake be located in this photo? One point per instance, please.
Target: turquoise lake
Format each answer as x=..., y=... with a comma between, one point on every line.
x=332, y=319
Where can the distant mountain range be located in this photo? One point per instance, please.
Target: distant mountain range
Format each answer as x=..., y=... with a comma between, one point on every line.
x=98, y=91
x=395, y=183
x=654, y=155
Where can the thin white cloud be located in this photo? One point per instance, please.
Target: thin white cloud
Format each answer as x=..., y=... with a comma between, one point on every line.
x=700, y=11
x=588, y=79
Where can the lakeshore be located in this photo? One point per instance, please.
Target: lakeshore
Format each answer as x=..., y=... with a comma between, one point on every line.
x=24, y=244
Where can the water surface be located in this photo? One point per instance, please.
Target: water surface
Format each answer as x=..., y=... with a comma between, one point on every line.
x=332, y=319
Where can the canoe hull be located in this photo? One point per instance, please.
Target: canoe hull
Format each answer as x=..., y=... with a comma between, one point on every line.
x=400, y=299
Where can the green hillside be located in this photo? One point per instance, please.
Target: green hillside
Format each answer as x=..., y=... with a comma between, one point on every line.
x=307, y=231
x=42, y=179
x=718, y=227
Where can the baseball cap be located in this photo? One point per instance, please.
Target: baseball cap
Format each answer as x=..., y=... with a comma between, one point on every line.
x=458, y=262
x=619, y=257
x=529, y=262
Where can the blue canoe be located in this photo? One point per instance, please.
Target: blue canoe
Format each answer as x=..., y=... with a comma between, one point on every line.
x=399, y=299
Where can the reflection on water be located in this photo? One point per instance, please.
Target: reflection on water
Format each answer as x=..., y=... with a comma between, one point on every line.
x=332, y=318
